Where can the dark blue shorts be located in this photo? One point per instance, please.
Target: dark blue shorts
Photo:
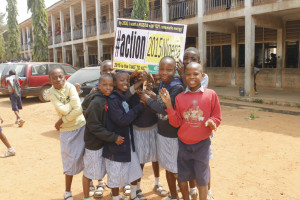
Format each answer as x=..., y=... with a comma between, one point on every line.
x=16, y=103
x=193, y=162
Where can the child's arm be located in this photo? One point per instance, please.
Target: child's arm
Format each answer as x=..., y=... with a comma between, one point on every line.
x=10, y=85
x=215, y=117
x=174, y=116
x=62, y=108
x=117, y=114
x=75, y=105
x=94, y=124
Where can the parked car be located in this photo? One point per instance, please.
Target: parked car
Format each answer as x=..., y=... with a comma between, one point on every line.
x=37, y=74
x=87, y=77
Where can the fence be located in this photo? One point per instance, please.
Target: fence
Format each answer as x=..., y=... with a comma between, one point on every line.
x=77, y=34
x=182, y=9
x=155, y=13
x=67, y=36
x=91, y=30
x=212, y=6
x=107, y=27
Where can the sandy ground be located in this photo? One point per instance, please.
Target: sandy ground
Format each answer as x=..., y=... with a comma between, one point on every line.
x=253, y=159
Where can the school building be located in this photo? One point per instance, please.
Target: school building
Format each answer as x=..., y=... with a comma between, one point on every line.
x=233, y=36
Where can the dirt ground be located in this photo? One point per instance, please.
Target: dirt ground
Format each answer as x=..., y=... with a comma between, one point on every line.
x=253, y=159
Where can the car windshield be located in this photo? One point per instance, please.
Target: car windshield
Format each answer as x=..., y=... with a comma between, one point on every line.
x=85, y=76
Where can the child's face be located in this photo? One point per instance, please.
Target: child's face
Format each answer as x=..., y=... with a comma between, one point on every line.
x=106, y=86
x=107, y=69
x=122, y=83
x=193, y=76
x=156, y=79
x=190, y=56
x=167, y=69
x=57, y=78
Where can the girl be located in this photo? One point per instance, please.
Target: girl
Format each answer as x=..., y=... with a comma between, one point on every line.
x=71, y=125
x=122, y=164
x=167, y=142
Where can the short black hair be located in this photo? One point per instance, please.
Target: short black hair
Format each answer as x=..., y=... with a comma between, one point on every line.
x=104, y=76
x=167, y=57
x=12, y=72
x=105, y=62
x=194, y=63
x=55, y=68
x=194, y=50
x=119, y=73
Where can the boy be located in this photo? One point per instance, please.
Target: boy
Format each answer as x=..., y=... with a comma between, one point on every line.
x=15, y=96
x=71, y=125
x=10, y=149
x=197, y=112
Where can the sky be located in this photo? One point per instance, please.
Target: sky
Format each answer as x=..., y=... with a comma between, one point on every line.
x=22, y=8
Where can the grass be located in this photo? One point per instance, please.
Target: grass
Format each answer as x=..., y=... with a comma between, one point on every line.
x=253, y=115
x=258, y=101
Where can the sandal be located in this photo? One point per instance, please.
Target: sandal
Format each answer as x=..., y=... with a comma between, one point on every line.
x=21, y=122
x=135, y=198
x=68, y=198
x=127, y=190
x=158, y=189
x=92, y=190
x=99, y=191
x=139, y=194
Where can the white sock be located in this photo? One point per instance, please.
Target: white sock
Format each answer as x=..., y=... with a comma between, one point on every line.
x=157, y=182
x=68, y=193
x=116, y=198
x=100, y=182
x=138, y=186
x=193, y=190
x=133, y=191
x=11, y=149
x=209, y=192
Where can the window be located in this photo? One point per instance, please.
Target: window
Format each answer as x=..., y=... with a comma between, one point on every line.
x=292, y=54
x=68, y=69
x=39, y=70
x=241, y=55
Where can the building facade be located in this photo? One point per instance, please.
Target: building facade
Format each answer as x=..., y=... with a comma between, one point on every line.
x=233, y=36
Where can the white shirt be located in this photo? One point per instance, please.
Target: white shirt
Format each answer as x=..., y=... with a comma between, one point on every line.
x=11, y=80
x=204, y=81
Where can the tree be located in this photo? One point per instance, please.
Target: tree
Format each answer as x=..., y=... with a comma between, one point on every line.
x=13, y=43
x=40, y=29
x=2, y=48
x=140, y=10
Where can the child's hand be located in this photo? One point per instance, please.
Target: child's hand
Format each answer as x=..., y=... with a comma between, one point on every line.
x=209, y=123
x=119, y=140
x=180, y=68
x=144, y=97
x=151, y=94
x=134, y=74
x=165, y=97
x=58, y=124
x=1, y=120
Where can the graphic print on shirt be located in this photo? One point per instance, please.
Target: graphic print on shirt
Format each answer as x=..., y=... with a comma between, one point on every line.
x=194, y=115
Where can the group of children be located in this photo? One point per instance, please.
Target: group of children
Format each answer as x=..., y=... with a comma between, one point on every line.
x=130, y=120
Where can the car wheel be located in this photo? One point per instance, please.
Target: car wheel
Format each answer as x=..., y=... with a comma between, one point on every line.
x=44, y=94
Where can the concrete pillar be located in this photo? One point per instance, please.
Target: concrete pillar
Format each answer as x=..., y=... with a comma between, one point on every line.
x=86, y=54
x=116, y=12
x=247, y=3
x=72, y=21
x=201, y=8
x=74, y=56
x=83, y=12
x=165, y=10
x=98, y=15
x=53, y=27
x=202, y=43
x=28, y=38
x=32, y=34
x=249, y=55
x=100, y=50
x=233, y=57
x=54, y=54
x=279, y=54
x=64, y=54
x=62, y=25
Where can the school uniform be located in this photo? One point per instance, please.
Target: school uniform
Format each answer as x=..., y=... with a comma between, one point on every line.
x=67, y=104
x=192, y=111
x=96, y=135
x=122, y=164
x=144, y=133
x=167, y=141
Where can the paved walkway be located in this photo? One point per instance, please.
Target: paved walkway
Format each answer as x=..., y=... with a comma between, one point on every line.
x=273, y=96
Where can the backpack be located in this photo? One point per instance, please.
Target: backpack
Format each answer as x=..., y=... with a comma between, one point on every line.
x=17, y=87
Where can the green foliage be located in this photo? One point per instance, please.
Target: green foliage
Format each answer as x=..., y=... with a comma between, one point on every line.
x=40, y=29
x=253, y=115
x=2, y=48
x=258, y=101
x=140, y=10
x=13, y=43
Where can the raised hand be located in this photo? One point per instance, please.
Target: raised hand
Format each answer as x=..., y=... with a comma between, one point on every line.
x=165, y=97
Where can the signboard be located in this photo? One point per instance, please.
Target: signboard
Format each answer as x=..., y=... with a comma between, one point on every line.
x=142, y=44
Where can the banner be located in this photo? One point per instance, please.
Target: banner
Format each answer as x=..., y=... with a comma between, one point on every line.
x=142, y=44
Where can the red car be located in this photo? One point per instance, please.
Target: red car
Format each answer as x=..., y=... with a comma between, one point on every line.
x=37, y=74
